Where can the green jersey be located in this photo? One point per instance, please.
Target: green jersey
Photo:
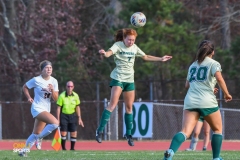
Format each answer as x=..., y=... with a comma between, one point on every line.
x=202, y=82
x=124, y=57
x=68, y=102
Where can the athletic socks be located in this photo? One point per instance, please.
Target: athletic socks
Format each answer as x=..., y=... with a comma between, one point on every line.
x=216, y=145
x=193, y=144
x=104, y=119
x=63, y=143
x=30, y=141
x=177, y=140
x=47, y=130
x=73, y=141
x=129, y=123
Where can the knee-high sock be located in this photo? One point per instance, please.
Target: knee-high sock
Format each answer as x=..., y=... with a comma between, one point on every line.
x=177, y=140
x=30, y=141
x=129, y=123
x=73, y=141
x=63, y=142
x=216, y=145
x=193, y=144
x=47, y=130
x=104, y=119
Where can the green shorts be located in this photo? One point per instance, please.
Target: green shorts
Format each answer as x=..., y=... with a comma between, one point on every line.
x=201, y=119
x=124, y=85
x=204, y=111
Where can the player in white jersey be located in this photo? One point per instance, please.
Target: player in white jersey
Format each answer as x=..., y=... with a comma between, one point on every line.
x=45, y=87
x=124, y=51
x=200, y=100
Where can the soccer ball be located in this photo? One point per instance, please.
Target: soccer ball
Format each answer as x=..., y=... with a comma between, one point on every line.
x=138, y=19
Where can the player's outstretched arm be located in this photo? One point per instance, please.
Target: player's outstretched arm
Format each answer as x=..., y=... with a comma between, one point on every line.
x=106, y=54
x=154, y=58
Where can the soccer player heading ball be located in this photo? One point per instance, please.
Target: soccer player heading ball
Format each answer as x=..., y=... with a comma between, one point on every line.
x=124, y=51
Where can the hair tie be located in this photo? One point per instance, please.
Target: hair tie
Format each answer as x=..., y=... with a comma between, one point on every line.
x=44, y=64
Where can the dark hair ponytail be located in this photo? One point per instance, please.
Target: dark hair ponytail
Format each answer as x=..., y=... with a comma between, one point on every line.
x=119, y=35
x=123, y=33
x=205, y=48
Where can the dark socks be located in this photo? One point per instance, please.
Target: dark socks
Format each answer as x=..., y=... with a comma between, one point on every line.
x=73, y=140
x=216, y=145
x=129, y=123
x=177, y=140
x=63, y=143
x=104, y=119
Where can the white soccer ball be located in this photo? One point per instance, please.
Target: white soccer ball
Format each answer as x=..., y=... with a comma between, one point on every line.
x=138, y=19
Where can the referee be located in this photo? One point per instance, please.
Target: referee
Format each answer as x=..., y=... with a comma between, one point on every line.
x=69, y=114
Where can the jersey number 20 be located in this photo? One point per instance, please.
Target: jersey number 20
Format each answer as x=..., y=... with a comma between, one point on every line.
x=198, y=74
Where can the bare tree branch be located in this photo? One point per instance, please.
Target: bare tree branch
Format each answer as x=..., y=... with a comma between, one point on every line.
x=11, y=33
x=8, y=54
x=6, y=22
x=55, y=30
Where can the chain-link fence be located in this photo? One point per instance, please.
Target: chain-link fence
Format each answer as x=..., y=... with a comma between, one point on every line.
x=146, y=90
x=17, y=122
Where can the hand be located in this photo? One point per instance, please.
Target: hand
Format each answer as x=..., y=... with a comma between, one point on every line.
x=215, y=91
x=227, y=97
x=166, y=58
x=80, y=122
x=50, y=87
x=30, y=100
x=101, y=51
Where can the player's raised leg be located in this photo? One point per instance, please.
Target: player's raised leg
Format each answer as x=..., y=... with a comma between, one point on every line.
x=190, y=119
x=50, y=120
x=115, y=94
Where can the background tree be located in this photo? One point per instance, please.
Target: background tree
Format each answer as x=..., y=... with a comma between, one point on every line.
x=36, y=30
x=31, y=31
x=168, y=31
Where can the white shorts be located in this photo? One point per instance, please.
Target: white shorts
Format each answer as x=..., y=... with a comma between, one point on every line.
x=36, y=110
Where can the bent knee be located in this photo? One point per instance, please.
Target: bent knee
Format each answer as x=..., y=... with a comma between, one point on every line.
x=54, y=126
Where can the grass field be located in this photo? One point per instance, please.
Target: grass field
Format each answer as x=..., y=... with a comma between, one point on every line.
x=115, y=155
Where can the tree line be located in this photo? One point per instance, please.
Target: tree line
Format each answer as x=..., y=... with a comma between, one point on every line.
x=70, y=32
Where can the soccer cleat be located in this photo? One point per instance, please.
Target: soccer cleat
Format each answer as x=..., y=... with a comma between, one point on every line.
x=220, y=158
x=99, y=136
x=189, y=149
x=204, y=148
x=38, y=143
x=22, y=154
x=168, y=154
x=130, y=140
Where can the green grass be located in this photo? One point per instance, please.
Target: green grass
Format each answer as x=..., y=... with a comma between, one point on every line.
x=116, y=155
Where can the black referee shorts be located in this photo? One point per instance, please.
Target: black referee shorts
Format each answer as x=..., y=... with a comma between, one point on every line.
x=68, y=122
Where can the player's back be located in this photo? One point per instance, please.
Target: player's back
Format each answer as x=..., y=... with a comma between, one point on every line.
x=202, y=82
